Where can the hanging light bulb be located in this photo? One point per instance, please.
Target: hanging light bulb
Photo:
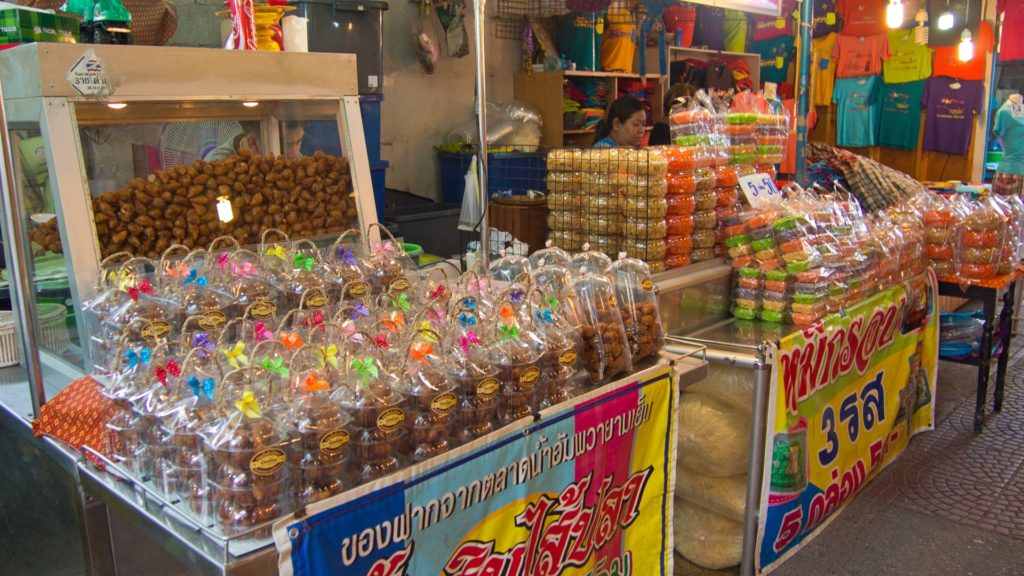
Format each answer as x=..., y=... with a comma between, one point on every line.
x=894, y=14
x=965, y=51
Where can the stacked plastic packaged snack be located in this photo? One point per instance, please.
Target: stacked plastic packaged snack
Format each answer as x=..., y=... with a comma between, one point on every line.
x=772, y=131
x=982, y=239
x=642, y=183
x=1011, y=252
x=637, y=302
x=691, y=126
x=941, y=222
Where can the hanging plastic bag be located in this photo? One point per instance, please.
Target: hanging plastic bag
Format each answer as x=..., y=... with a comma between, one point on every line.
x=425, y=39
x=470, y=215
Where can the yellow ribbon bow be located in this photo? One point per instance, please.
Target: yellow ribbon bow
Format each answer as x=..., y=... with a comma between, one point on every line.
x=121, y=279
x=236, y=356
x=426, y=331
x=276, y=251
x=329, y=355
x=314, y=383
x=248, y=405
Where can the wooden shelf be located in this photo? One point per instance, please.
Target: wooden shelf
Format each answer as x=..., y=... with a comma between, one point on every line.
x=579, y=131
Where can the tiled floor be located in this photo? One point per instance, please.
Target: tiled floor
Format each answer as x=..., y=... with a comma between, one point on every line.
x=953, y=503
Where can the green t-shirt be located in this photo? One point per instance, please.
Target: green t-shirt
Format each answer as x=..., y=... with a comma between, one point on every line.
x=735, y=31
x=1009, y=127
x=900, y=121
x=908, y=61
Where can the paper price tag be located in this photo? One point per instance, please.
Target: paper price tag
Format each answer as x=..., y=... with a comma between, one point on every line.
x=760, y=190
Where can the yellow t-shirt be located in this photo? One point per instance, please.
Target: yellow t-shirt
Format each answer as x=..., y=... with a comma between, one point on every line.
x=617, y=47
x=823, y=70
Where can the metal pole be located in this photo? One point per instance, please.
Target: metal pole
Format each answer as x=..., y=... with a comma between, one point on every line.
x=803, y=89
x=479, y=30
x=17, y=247
x=755, y=464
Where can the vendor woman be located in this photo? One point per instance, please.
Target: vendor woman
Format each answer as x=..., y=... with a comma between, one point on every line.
x=624, y=125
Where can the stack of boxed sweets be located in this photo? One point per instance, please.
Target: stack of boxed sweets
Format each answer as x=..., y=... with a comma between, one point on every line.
x=812, y=255
x=609, y=198
x=250, y=382
x=973, y=238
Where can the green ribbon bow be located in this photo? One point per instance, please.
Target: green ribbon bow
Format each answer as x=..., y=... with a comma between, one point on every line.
x=401, y=302
x=303, y=262
x=366, y=367
x=552, y=302
x=275, y=366
x=509, y=332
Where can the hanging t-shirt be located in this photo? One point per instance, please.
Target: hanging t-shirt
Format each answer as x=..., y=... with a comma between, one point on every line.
x=951, y=107
x=823, y=69
x=857, y=110
x=900, y=119
x=768, y=27
x=735, y=31
x=860, y=55
x=579, y=38
x=1009, y=127
x=908, y=61
x=861, y=17
x=1011, y=39
x=617, y=47
x=947, y=58
x=710, y=29
x=776, y=55
x=826, y=20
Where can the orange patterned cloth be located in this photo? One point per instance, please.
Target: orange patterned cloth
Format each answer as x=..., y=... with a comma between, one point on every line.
x=77, y=416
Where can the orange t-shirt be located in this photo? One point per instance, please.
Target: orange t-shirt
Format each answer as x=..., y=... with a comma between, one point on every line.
x=947, y=62
x=861, y=17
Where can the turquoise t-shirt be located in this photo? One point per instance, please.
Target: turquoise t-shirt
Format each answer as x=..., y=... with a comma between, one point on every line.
x=1009, y=127
x=900, y=120
x=857, y=110
x=606, y=142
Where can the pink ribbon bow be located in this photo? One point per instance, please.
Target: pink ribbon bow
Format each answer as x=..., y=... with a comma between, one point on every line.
x=469, y=338
x=245, y=269
x=261, y=333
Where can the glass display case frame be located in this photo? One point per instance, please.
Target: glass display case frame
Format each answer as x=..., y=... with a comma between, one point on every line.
x=140, y=85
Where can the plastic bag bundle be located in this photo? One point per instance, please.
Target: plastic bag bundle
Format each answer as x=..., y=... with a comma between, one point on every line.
x=706, y=538
x=724, y=495
x=714, y=438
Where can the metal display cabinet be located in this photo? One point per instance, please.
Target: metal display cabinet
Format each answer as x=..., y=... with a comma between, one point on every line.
x=80, y=121
x=86, y=120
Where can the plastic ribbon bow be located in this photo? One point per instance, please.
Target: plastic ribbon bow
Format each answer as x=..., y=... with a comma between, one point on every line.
x=245, y=269
x=467, y=340
x=478, y=284
x=143, y=356
x=546, y=316
x=506, y=311
x=427, y=331
x=329, y=355
x=275, y=366
x=381, y=340
x=366, y=367
x=420, y=351
x=346, y=255
x=516, y=296
x=466, y=320
x=202, y=340
x=120, y=279
x=469, y=303
x=222, y=261
x=385, y=247
x=402, y=302
x=361, y=308
x=277, y=251
x=248, y=405
x=178, y=271
x=552, y=302
x=261, y=332
x=314, y=383
x=509, y=332
x=236, y=356
x=172, y=368
x=207, y=387
x=144, y=287
x=292, y=340
x=192, y=277
x=302, y=261
x=313, y=321
x=439, y=292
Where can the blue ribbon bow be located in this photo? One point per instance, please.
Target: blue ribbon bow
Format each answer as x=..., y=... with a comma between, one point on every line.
x=546, y=316
x=466, y=320
x=145, y=355
x=193, y=276
x=207, y=386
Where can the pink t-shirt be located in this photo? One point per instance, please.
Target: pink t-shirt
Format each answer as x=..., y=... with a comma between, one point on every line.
x=1011, y=40
x=860, y=55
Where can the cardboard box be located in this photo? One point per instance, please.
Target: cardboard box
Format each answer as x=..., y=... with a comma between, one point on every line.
x=19, y=25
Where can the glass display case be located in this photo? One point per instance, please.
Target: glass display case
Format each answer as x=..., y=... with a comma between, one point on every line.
x=139, y=149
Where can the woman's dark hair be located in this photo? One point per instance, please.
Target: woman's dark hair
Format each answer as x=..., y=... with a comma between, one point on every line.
x=623, y=108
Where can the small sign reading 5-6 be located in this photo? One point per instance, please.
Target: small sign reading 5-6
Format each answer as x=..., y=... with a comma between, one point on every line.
x=760, y=190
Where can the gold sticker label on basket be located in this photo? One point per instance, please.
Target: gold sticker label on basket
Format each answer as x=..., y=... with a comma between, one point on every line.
x=488, y=388
x=316, y=299
x=390, y=420
x=529, y=376
x=155, y=330
x=567, y=357
x=267, y=462
x=647, y=284
x=399, y=285
x=212, y=320
x=358, y=289
x=332, y=442
x=443, y=404
x=263, y=309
